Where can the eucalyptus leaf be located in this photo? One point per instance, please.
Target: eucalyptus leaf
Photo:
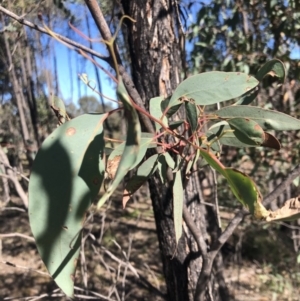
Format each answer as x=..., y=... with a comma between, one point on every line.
x=66, y=177
x=274, y=68
x=131, y=150
x=145, y=170
x=267, y=119
x=192, y=115
x=213, y=87
x=155, y=111
x=247, y=131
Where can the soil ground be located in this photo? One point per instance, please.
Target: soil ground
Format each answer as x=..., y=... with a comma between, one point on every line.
x=110, y=238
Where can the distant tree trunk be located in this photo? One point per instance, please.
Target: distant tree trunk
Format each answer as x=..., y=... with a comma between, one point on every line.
x=156, y=68
x=26, y=70
x=16, y=87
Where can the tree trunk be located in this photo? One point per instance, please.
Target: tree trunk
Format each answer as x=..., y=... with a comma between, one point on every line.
x=16, y=87
x=156, y=67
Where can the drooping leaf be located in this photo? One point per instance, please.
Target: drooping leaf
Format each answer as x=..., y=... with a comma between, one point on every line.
x=246, y=191
x=179, y=164
x=191, y=114
x=66, y=176
x=169, y=160
x=168, y=109
x=145, y=170
x=213, y=87
x=147, y=141
x=192, y=162
x=247, y=130
x=267, y=119
x=132, y=147
x=242, y=186
x=165, y=161
x=155, y=111
x=273, y=68
x=213, y=161
x=162, y=168
x=177, y=204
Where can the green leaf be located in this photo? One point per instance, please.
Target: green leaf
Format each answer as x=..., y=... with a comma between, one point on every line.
x=66, y=176
x=213, y=87
x=243, y=188
x=191, y=114
x=162, y=168
x=225, y=135
x=192, y=162
x=145, y=170
x=267, y=119
x=173, y=125
x=213, y=161
x=169, y=160
x=177, y=204
x=132, y=147
x=169, y=110
x=248, y=98
x=247, y=131
x=59, y=109
x=155, y=111
x=274, y=68
x=241, y=185
x=147, y=141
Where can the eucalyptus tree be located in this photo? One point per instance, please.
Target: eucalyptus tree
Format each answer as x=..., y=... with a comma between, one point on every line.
x=171, y=135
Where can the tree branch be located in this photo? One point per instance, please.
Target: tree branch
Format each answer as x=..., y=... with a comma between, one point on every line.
x=207, y=269
x=282, y=186
x=106, y=35
x=22, y=21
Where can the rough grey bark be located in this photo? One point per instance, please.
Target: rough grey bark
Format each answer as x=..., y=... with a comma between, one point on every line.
x=156, y=66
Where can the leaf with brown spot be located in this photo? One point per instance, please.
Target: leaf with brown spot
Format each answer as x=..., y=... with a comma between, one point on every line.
x=112, y=166
x=274, y=68
x=247, y=131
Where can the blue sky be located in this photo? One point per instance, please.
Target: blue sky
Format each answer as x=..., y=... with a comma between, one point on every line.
x=68, y=82
x=69, y=87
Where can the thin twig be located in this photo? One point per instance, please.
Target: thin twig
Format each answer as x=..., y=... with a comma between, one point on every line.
x=282, y=186
x=103, y=27
x=208, y=263
x=93, y=293
x=23, y=268
x=17, y=235
x=113, y=257
x=216, y=201
x=12, y=208
x=21, y=20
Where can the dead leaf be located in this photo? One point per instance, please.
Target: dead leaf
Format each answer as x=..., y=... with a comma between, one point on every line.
x=290, y=211
x=126, y=198
x=112, y=166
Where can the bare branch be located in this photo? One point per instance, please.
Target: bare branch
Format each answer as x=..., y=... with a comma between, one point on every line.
x=106, y=35
x=17, y=235
x=282, y=186
x=14, y=179
x=21, y=20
